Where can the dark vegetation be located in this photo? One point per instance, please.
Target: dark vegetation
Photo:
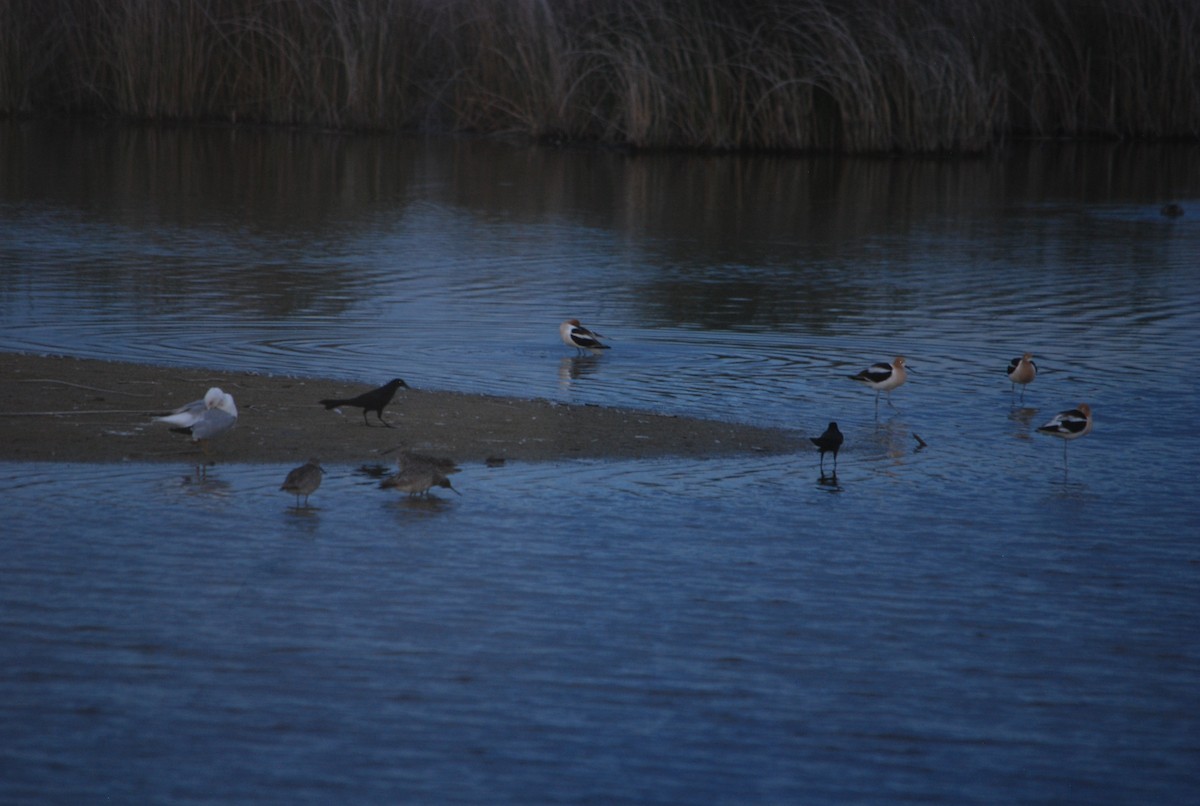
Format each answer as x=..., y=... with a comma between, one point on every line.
x=848, y=75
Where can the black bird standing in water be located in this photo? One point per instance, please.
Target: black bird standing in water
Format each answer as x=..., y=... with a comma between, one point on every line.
x=831, y=440
x=374, y=400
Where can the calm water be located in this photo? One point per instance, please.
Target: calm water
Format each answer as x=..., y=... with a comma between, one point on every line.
x=963, y=623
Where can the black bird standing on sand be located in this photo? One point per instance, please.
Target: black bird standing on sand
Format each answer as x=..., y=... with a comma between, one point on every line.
x=831, y=440
x=374, y=400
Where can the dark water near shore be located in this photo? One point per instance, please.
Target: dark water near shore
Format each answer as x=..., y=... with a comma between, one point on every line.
x=967, y=622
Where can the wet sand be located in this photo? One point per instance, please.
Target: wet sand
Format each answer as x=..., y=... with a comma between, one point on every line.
x=79, y=410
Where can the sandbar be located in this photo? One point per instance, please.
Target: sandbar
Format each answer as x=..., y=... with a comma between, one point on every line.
x=64, y=409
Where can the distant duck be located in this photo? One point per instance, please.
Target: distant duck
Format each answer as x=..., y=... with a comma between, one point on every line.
x=1022, y=371
x=830, y=441
x=304, y=480
x=374, y=400
x=204, y=419
x=1069, y=425
x=576, y=335
x=883, y=377
x=1172, y=210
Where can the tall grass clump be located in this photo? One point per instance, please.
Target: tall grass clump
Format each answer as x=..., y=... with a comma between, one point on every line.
x=839, y=75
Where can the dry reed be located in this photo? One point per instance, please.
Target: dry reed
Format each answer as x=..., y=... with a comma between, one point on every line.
x=853, y=76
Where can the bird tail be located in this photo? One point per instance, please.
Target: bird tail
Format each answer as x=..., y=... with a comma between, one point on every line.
x=332, y=404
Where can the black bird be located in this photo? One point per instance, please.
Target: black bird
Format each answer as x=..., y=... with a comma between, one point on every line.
x=831, y=440
x=374, y=400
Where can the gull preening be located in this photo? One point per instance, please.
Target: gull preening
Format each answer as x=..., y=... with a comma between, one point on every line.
x=1022, y=371
x=204, y=419
x=576, y=335
x=883, y=377
x=374, y=400
x=304, y=480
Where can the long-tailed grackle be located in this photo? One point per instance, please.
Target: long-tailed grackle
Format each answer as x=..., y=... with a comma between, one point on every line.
x=374, y=400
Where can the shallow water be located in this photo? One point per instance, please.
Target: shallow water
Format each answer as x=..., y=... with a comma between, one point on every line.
x=965, y=622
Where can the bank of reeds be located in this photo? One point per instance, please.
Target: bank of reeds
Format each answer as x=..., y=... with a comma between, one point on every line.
x=844, y=75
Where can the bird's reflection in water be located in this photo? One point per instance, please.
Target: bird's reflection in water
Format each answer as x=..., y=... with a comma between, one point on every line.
x=202, y=481
x=1023, y=415
x=829, y=483
x=572, y=368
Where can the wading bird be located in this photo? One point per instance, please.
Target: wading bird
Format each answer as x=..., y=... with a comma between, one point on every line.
x=830, y=441
x=883, y=378
x=1022, y=370
x=576, y=335
x=1068, y=425
x=304, y=480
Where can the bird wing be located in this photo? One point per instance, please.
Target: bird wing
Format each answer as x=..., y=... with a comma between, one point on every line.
x=186, y=415
x=582, y=337
x=214, y=423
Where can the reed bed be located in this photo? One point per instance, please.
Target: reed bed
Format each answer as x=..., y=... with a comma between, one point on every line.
x=851, y=75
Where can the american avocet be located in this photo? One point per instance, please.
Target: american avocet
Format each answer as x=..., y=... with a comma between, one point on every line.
x=1069, y=425
x=1022, y=370
x=304, y=480
x=205, y=419
x=576, y=335
x=374, y=400
x=883, y=377
x=417, y=479
x=831, y=441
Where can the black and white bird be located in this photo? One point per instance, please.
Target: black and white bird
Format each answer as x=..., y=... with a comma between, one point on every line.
x=1068, y=425
x=883, y=377
x=576, y=335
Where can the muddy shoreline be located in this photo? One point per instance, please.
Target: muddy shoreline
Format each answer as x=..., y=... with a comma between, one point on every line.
x=82, y=410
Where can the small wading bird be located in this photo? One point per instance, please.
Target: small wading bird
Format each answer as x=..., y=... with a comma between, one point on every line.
x=1022, y=370
x=576, y=335
x=204, y=419
x=830, y=441
x=304, y=480
x=1172, y=210
x=417, y=478
x=883, y=378
x=374, y=400
x=1069, y=425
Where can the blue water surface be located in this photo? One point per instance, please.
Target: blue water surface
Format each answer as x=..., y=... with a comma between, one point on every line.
x=982, y=619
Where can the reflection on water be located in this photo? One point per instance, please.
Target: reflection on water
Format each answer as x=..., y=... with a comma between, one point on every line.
x=747, y=629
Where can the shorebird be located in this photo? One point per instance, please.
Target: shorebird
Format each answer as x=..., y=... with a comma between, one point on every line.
x=304, y=480
x=186, y=415
x=416, y=479
x=1022, y=370
x=1069, y=425
x=204, y=419
x=576, y=335
x=1172, y=210
x=374, y=400
x=831, y=440
x=883, y=378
